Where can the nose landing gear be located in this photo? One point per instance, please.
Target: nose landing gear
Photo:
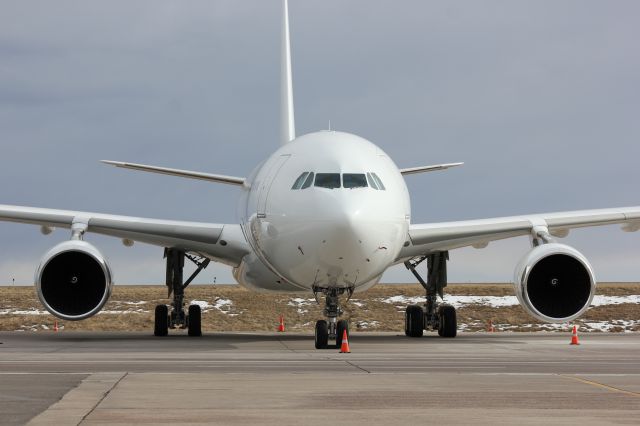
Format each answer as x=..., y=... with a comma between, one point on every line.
x=332, y=328
x=433, y=316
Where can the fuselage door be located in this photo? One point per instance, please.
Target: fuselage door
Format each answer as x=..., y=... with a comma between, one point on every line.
x=265, y=185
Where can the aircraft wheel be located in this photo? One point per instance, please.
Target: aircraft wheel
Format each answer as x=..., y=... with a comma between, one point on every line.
x=414, y=321
x=340, y=328
x=448, y=322
x=322, y=334
x=195, y=320
x=161, y=323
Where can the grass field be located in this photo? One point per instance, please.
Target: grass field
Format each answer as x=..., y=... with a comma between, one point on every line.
x=232, y=308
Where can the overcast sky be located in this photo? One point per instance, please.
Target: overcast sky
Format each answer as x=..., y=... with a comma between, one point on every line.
x=540, y=99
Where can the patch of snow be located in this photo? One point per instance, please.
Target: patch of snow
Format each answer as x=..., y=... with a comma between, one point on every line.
x=599, y=300
x=363, y=325
x=223, y=303
x=456, y=301
x=298, y=301
x=23, y=312
x=202, y=303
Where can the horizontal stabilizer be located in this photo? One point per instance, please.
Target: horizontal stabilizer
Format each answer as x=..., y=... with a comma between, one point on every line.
x=423, y=169
x=231, y=180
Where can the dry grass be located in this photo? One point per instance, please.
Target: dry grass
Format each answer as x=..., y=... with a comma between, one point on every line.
x=259, y=312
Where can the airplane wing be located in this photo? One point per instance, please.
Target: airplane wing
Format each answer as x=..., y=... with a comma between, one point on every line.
x=433, y=168
x=432, y=237
x=210, y=177
x=223, y=243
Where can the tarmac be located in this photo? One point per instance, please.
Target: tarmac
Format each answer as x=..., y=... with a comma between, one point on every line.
x=279, y=378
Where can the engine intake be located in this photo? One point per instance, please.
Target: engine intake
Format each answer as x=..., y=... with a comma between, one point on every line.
x=554, y=283
x=73, y=280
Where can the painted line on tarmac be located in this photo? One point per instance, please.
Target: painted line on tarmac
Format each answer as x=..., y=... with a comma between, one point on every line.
x=43, y=373
x=149, y=361
x=601, y=385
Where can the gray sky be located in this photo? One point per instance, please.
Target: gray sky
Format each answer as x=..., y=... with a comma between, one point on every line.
x=539, y=98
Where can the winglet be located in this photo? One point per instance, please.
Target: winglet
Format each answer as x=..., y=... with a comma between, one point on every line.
x=287, y=119
x=231, y=180
x=423, y=169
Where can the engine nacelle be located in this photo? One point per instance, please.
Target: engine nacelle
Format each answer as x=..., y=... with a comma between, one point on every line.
x=73, y=280
x=554, y=283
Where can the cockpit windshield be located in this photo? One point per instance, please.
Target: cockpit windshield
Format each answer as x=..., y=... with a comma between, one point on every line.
x=328, y=180
x=335, y=180
x=354, y=180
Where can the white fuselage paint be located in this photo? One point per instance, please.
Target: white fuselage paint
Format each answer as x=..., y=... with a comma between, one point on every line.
x=318, y=236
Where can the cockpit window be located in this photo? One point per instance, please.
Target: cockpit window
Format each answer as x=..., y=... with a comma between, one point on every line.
x=328, y=180
x=354, y=180
x=298, y=183
x=308, y=181
x=333, y=181
x=372, y=183
x=378, y=181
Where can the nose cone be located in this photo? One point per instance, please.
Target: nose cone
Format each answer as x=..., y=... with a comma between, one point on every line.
x=343, y=244
x=348, y=241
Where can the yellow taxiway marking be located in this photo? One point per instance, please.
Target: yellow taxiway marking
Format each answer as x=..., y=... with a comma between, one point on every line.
x=601, y=385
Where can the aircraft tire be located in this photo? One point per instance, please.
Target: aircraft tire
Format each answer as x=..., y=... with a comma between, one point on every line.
x=195, y=321
x=414, y=321
x=161, y=321
x=448, y=321
x=322, y=334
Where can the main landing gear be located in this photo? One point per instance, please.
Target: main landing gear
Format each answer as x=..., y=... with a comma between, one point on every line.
x=433, y=316
x=332, y=328
x=178, y=318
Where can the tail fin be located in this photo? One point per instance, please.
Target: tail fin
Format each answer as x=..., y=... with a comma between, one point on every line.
x=287, y=120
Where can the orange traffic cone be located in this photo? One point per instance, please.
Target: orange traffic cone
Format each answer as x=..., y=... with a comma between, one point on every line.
x=344, y=348
x=281, y=326
x=574, y=336
x=55, y=326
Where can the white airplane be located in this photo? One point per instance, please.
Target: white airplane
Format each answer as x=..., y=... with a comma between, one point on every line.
x=328, y=213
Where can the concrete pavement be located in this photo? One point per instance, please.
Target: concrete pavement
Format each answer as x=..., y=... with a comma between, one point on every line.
x=224, y=378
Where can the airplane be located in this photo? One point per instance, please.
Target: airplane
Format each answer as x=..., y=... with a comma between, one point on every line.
x=327, y=213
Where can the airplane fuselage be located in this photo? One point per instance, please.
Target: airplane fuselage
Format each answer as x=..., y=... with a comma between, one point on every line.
x=329, y=209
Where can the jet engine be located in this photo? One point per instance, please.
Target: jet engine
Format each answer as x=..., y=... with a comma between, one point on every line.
x=554, y=283
x=73, y=280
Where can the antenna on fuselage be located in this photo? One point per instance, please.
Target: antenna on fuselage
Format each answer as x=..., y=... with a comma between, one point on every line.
x=287, y=120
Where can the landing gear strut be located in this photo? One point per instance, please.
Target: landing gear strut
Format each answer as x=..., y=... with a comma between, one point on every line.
x=433, y=316
x=332, y=328
x=178, y=318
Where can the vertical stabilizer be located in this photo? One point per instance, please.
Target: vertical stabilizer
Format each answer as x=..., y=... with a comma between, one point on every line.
x=287, y=121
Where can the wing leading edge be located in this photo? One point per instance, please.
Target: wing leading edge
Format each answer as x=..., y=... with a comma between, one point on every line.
x=433, y=168
x=231, y=180
x=220, y=242
x=427, y=238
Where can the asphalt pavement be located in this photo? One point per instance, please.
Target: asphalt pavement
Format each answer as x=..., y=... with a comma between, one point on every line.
x=279, y=378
